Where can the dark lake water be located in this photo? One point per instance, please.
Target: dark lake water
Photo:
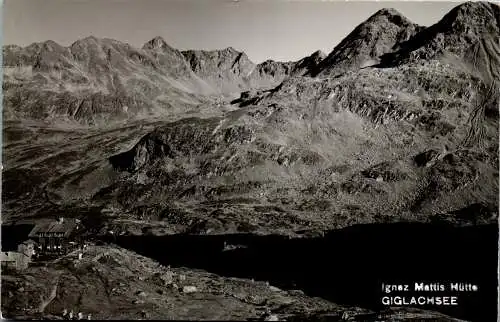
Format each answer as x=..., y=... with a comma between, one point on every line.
x=348, y=266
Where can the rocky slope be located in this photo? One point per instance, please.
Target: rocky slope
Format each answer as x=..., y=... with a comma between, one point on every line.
x=231, y=72
x=226, y=69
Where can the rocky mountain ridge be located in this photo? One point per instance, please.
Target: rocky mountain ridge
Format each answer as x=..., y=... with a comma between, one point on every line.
x=103, y=79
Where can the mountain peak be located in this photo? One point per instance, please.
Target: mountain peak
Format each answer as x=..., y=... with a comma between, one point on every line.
x=48, y=45
x=474, y=6
x=156, y=43
x=51, y=44
x=314, y=58
x=318, y=54
x=462, y=27
x=390, y=14
x=469, y=14
x=230, y=50
x=378, y=35
x=90, y=40
x=387, y=11
x=309, y=64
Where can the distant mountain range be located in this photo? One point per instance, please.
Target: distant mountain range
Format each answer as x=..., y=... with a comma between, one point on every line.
x=105, y=79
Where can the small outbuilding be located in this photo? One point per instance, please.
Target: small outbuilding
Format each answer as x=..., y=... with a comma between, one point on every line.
x=14, y=260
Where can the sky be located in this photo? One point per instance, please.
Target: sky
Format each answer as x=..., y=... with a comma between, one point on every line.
x=263, y=29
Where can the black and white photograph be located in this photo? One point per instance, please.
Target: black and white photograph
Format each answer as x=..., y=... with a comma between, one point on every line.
x=250, y=160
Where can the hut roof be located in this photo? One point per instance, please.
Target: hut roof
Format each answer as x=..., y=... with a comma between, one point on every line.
x=65, y=226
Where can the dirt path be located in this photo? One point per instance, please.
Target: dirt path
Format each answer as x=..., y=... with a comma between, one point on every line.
x=51, y=297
